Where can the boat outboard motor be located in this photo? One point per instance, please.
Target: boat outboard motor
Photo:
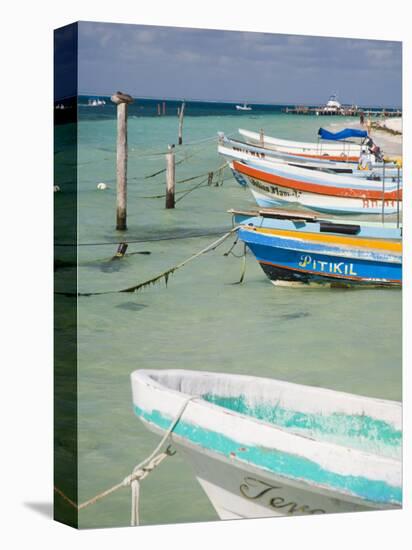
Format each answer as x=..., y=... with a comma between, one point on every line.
x=374, y=149
x=376, y=152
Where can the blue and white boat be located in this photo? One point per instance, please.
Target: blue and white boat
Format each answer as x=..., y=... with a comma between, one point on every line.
x=294, y=249
x=261, y=447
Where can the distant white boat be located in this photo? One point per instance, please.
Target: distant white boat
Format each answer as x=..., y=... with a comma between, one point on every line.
x=244, y=107
x=333, y=106
x=93, y=102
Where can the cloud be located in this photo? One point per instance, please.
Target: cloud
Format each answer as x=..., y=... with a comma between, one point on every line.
x=166, y=61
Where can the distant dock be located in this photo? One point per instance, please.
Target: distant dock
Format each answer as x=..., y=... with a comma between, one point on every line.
x=352, y=110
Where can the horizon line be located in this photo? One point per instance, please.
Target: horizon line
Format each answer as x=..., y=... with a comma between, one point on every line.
x=234, y=101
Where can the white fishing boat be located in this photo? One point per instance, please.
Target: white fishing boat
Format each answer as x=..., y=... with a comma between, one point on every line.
x=232, y=149
x=244, y=107
x=336, y=150
x=262, y=447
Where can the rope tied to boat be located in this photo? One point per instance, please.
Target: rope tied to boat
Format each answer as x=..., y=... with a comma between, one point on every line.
x=139, y=472
x=165, y=275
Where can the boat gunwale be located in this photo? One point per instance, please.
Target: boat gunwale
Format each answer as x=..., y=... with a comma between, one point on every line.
x=201, y=402
x=255, y=136
x=300, y=236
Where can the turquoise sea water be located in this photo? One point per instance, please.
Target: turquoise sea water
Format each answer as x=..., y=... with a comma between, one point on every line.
x=347, y=340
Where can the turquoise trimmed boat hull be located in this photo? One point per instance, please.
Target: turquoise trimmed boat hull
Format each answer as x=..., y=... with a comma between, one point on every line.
x=263, y=448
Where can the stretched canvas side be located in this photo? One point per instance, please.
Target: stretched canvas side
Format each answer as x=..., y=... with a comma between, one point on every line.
x=65, y=276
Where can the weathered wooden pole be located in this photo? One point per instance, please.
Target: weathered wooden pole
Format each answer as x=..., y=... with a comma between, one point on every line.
x=170, y=177
x=164, y=107
x=122, y=101
x=181, y=116
x=158, y=109
x=262, y=138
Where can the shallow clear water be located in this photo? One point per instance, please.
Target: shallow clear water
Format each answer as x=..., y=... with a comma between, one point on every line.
x=347, y=340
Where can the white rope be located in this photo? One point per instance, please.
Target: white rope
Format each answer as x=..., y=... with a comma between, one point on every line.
x=143, y=469
x=139, y=473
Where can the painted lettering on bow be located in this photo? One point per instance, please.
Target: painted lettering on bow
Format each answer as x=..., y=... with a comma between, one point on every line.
x=275, y=190
x=338, y=268
x=375, y=203
x=255, y=489
x=250, y=153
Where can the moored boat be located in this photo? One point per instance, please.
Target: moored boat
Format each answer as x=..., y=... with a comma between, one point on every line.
x=261, y=447
x=294, y=248
x=333, y=146
x=233, y=149
x=277, y=184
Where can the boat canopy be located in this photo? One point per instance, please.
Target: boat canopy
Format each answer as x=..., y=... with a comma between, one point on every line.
x=343, y=134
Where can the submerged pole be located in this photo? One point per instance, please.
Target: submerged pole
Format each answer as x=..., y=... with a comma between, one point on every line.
x=122, y=101
x=170, y=177
x=181, y=116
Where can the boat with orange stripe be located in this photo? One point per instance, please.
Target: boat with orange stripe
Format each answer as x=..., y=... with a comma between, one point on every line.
x=277, y=184
x=294, y=248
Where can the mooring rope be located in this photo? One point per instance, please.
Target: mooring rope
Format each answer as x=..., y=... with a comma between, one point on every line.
x=163, y=169
x=243, y=256
x=201, y=184
x=210, y=177
x=160, y=153
x=139, y=472
x=165, y=275
x=116, y=243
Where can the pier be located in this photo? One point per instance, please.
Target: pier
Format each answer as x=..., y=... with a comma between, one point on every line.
x=351, y=110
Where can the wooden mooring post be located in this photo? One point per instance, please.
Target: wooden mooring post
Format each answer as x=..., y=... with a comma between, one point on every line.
x=122, y=101
x=164, y=108
x=262, y=137
x=181, y=116
x=170, y=177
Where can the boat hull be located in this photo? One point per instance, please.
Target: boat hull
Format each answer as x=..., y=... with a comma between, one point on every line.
x=268, y=197
x=305, y=455
x=237, y=150
x=270, y=190
x=238, y=493
x=304, y=258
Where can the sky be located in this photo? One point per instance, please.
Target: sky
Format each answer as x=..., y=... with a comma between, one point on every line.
x=213, y=65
